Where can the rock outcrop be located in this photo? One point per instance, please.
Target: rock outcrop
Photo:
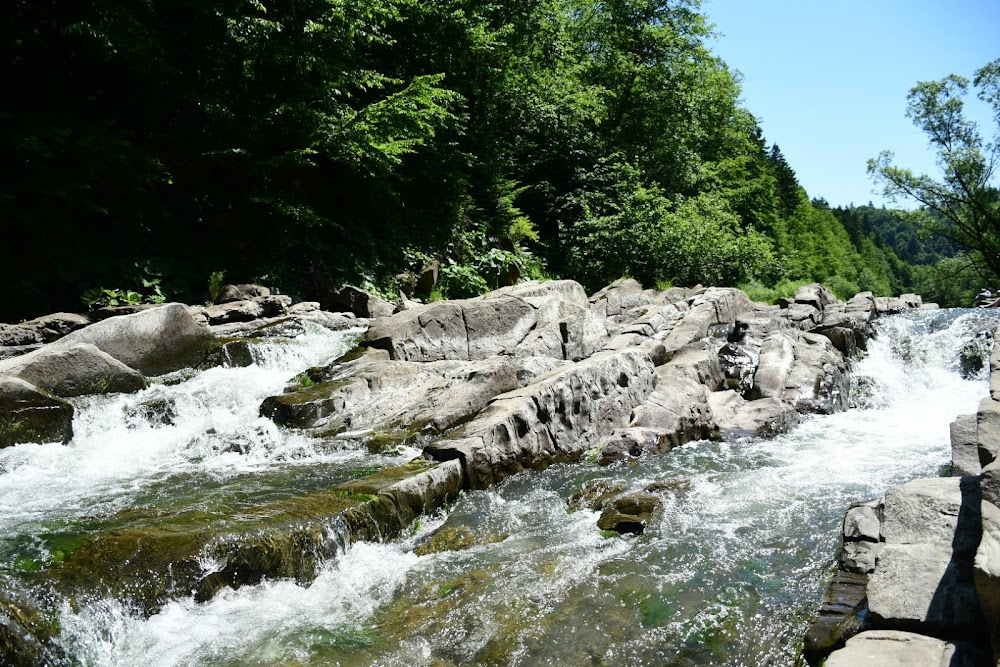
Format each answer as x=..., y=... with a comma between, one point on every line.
x=29, y=414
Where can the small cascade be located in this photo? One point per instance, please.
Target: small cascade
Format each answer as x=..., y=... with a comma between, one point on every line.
x=728, y=574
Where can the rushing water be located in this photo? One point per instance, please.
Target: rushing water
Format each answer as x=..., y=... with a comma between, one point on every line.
x=727, y=575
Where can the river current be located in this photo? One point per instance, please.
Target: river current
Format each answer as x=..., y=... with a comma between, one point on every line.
x=728, y=574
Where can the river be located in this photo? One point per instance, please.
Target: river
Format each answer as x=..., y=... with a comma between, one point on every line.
x=728, y=574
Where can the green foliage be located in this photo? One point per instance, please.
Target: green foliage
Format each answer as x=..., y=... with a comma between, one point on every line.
x=215, y=281
x=321, y=142
x=963, y=205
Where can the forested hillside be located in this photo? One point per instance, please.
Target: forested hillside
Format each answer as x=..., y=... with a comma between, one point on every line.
x=306, y=143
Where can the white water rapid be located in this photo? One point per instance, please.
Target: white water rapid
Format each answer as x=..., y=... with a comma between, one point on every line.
x=729, y=575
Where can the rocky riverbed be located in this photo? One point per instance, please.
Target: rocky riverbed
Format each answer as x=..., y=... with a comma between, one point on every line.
x=479, y=389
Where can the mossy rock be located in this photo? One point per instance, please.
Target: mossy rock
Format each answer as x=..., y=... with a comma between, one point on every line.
x=29, y=414
x=26, y=630
x=455, y=538
x=595, y=494
x=150, y=559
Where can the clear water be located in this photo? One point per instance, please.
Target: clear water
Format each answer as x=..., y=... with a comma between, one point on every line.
x=728, y=574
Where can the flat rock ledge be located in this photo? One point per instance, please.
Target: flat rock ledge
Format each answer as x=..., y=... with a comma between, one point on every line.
x=926, y=561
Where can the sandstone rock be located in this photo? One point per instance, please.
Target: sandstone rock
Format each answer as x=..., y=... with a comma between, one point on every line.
x=964, y=449
x=862, y=523
x=923, y=582
x=75, y=371
x=804, y=370
x=618, y=298
x=815, y=295
x=358, y=301
x=889, y=648
x=29, y=414
x=988, y=431
x=677, y=410
x=567, y=290
x=464, y=329
x=595, y=494
x=398, y=399
x=986, y=569
x=716, y=306
x=244, y=292
x=557, y=418
x=233, y=311
x=564, y=328
x=19, y=335
x=152, y=341
x=738, y=418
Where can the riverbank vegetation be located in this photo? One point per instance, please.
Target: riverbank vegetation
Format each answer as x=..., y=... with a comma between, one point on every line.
x=313, y=142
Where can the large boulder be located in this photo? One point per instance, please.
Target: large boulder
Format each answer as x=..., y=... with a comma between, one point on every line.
x=394, y=400
x=677, y=410
x=557, y=418
x=457, y=330
x=619, y=298
x=986, y=569
x=75, y=371
x=988, y=431
x=738, y=418
x=358, y=301
x=890, y=648
x=29, y=414
x=964, y=447
x=804, y=370
x=924, y=579
x=153, y=341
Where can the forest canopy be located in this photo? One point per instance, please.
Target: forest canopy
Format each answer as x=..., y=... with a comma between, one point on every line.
x=313, y=142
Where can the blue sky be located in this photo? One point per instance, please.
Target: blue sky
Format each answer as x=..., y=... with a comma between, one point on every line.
x=828, y=80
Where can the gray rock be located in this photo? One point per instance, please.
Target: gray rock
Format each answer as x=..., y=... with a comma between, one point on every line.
x=428, y=278
x=988, y=431
x=273, y=305
x=567, y=290
x=815, y=295
x=738, y=418
x=75, y=371
x=843, y=338
x=964, y=450
x=924, y=580
x=804, y=370
x=29, y=414
x=19, y=335
x=677, y=410
x=557, y=418
x=989, y=483
x=243, y=310
x=153, y=341
x=890, y=648
x=716, y=306
x=464, y=329
x=244, y=292
x=838, y=618
x=861, y=557
x=986, y=569
x=618, y=298
x=395, y=399
x=862, y=523
x=358, y=301
x=738, y=361
x=55, y=326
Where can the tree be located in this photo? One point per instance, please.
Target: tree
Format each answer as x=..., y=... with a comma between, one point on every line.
x=962, y=206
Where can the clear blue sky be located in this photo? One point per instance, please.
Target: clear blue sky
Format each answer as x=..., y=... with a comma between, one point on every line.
x=827, y=80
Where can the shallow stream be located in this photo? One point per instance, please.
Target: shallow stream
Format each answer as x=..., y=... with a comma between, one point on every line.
x=728, y=574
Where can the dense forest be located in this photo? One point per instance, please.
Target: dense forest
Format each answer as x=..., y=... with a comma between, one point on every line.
x=150, y=144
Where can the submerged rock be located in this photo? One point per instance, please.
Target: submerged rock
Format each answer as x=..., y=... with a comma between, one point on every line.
x=630, y=513
x=29, y=414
